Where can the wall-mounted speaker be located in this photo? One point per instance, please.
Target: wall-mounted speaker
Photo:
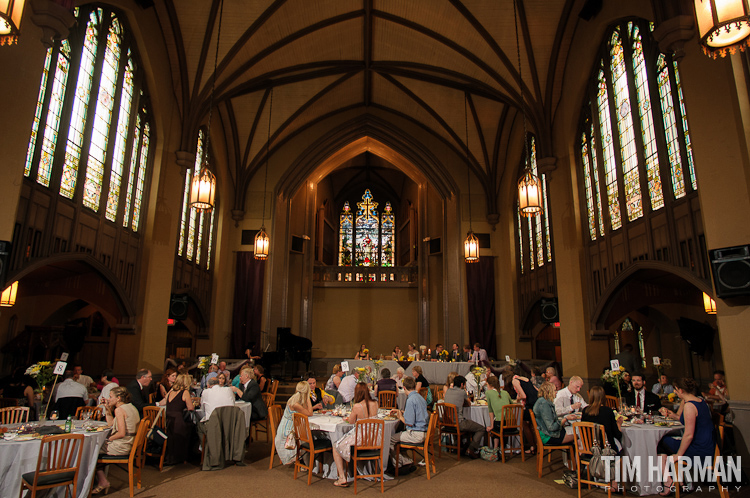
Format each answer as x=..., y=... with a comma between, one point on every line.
x=178, y=307
x=549, y=310
x=298, y=244
x=4, y=256
x=730, y=268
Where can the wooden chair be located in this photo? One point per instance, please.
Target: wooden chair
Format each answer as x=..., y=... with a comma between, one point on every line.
x=541, y=447
x=57, y=465
x=387, y=399
x=8, y=402
x=274, y=418
x=723, y=491
x=585, y=435
x=439, y=394
x=612, y=402
x=511, y=424
x=305, y=443
x=368, y=446
x=262, y=424
x=94, y=412
x=152, y=398
x=158, y=419
x=134, y=459
x=14, y=415
x=423, y=447
x=448, y=425
x=423, y=392
x=273, y=387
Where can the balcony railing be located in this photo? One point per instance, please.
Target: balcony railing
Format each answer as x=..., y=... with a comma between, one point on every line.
x=365, y=276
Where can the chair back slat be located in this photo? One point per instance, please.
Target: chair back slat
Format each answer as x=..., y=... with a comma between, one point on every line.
x=302, y=429
x=274, y=417
x=369, y=435
x=439, y=394
x=63, y=454
x=512, y=416
x=612, y=402
x=423, y=392
x=94, y=412
x=268, y=399
x=155, y=415
x=539, y=443
x=273, y=387
x=585, y=434
x=448, y=414
x=14, y=415
x=387, y=399
x=431, y=424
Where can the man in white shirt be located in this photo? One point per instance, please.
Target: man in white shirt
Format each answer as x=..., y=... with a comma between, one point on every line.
x=223, y=370
x=479, y=356
x=569, y=400
x=69, y=388
x=214, y=397
x=82, y=379
x=348, y=383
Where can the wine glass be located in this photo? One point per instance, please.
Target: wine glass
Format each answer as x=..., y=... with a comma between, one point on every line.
x=54, y=415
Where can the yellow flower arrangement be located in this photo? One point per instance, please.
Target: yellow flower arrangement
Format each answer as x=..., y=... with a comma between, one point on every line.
x=41, y=372
x=671, y=397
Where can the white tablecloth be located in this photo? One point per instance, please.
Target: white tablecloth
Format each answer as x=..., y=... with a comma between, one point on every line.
x=434, y=371
x=246, y=408
x=641, y=441
x=479, y=414
x=20, y=457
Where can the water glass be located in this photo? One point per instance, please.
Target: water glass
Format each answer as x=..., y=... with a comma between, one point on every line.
x=54, y=415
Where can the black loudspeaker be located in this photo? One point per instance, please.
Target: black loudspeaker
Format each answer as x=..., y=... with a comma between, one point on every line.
x=4, y=253
x=178, y=307
x=549, y=310
x=730, y=267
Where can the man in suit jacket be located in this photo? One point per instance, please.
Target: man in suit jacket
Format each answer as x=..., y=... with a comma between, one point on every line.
x=641, y=397
x=249, y=391
x=138, y=389
x=456, y=353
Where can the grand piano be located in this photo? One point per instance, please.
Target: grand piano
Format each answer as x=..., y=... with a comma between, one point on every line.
x=291, y=350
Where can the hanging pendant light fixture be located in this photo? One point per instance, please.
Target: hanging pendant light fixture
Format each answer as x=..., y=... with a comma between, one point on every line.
x=10, y=20
x=709, y=305
x=723, y=26
x=471, y=244
x=262, y=241
x=529, y=187
x=203, y=185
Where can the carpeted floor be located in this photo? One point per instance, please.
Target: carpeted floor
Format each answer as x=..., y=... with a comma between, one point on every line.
x=467, y=477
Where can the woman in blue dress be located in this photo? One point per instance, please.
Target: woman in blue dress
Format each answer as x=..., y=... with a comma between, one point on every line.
x=299, y=402
x=698, y=437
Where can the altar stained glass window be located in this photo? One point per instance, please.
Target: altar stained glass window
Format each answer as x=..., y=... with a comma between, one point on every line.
x=367, y=238
x=388, y=237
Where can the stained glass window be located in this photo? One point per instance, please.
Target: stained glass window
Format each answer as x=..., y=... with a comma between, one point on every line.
x=140, y=183
x=199, y=240
x=537, y=227
x=634, y=71
x=367, y=240
x=346, y=236
x=118, y=159
x=532, y=254
x=92, y=187
x=647, y=123
x=388, y=237
x=538, y=236
x=520, y=237
x=38, y=113
x=136, y=146
x=210, y=240
x=185, y=210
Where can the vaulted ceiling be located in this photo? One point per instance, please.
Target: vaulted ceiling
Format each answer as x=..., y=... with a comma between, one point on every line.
x=412, y=59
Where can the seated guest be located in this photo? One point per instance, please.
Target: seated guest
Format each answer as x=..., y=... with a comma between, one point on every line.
x=81, y=378
x=569, y=400
x=179, y=431
x=412, y=354
x=165, y=385
x=397, y=353
x=399, y=377
x=223, y=382
x=440, y=353
x=496, y=399
x=640, y=397
x=348, y=383
x=335, y=379
x=123, y=418
x=318, y=398
x=223, y=369
x=20, y=387
x=213, y=368
x=550, y=428
x=597, y=413
x=108, y=382
x=718, y=392
x=698, y=436
x=364, y=407
x=363, y=353
x=449, y=382
x=138, y=389
x=551, y=376
x=414, y=417
x=536, y=377
x=299, y=402
x=215, y=396
x=386, y=383
x=663, y=386
x=479, y=355
x=455, y=353
x=456, y=395
x=626, y=383
x=423, y=354
x=421, y=381
x=260, y=378
x=466, y=356
x=249, y=391
x=69, y=388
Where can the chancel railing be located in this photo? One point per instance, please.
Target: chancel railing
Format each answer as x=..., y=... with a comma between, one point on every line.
x=365, y=276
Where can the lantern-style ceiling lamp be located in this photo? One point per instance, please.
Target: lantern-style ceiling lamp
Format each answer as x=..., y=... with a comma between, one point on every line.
x=8, y=297
x=529, y=187
x=723, y=26
x=471, y=244
x=709, y=305
x=10, y=20
x=262, y=241
x=203, y=185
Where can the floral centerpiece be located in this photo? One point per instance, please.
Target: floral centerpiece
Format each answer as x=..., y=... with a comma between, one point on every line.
x=378, y=364
x=203, y=363
x=362, y=375
x=664, y=364
x=613, y=377
x=478, y=372
x=442, y=355
x=42, y=374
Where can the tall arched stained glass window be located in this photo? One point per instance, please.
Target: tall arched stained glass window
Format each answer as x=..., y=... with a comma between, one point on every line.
x=90, y=83
x=388, y=237
x=367, y=239
x=520, y=237
x=633, y=74
x=367, y=242
x=537, y=227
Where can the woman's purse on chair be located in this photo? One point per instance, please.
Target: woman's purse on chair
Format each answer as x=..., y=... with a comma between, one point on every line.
x=598, y=466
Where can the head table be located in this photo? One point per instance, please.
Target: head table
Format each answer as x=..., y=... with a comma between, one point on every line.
x=20, y=457
x=436, y=372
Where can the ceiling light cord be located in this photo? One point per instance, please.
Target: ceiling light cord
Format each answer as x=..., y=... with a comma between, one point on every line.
x=520, y=89
x=213, y=82
x=268, y=153
x=466, y=138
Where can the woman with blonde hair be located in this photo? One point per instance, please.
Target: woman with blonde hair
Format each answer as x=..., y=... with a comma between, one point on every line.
x=449, y=382
x=179, y=431
x=551, y=430
x=123, y=418
x=299, y=402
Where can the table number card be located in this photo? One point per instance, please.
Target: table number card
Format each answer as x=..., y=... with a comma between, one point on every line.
x=344, y=366
x=60, y=368
x=507, y=358
x=64, y=357
x=657, y=361
x=214, y=359
x=614, y=365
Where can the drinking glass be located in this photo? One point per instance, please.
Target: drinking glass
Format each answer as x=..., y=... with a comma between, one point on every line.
x=54, y=415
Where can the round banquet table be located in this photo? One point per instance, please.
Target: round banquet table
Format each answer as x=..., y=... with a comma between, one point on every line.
x=641, y=440
x=334, y=428
x=20, y=457
x=246, y=408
